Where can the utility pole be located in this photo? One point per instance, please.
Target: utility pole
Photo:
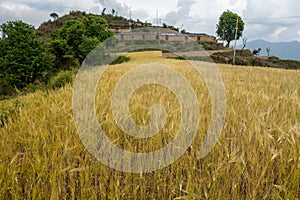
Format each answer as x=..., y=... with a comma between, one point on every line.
x=130, y=20
x=236, y=31
x=157, y=21
x=157, y=18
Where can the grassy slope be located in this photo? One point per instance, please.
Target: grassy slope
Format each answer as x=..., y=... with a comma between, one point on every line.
x=257, y=156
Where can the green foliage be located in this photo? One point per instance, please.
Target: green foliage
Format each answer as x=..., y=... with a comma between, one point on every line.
x=87, y=45
x=61, y=79
x=77, y=38
x=33, y=88
x=64, y=30
x=120, y=59
x=74, y=37
x=6, y=89
x=54, y=16
x=59, y=48
x=103, y=11
x=23, y=57
x=94, y=26
x=49, y=28
x=256, y=51
x=212, y=46
x=226, y=27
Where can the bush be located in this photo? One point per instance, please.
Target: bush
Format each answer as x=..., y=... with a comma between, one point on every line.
x=6, y=90
x=273, y=58
x=30, y=88
x=120, y=59
x=211, y=46
x=61, y=79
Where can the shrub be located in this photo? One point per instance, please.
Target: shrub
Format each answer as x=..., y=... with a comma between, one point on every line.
x=61, y=79
x=273, y=58
x=33, y=88
x=6, y=89
x=120, y=59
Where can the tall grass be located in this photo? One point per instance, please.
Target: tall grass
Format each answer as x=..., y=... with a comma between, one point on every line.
x=257, y=155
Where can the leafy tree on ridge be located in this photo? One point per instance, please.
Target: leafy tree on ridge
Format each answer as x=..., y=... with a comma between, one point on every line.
x=226, y=27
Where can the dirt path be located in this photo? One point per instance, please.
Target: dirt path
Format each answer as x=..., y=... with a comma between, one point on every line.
x=195, y=53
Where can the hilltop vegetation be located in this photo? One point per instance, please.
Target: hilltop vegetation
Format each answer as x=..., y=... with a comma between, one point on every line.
x=46, y=29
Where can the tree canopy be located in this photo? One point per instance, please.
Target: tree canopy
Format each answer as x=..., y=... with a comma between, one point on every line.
x=22, y=55
x=226, y=27
x=54, y=16
x=77, y=38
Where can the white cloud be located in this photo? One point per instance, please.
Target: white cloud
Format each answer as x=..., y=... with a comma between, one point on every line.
x=139, y=14
x=15, y=11
x=275, y=36
x=121, y=7
x=273, y=18
x=182, y=13
x=263, y=19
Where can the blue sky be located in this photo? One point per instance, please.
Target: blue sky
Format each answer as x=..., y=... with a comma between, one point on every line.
x=271, y=20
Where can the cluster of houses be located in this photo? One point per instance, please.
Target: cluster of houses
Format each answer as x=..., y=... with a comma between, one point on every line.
x=126, y=34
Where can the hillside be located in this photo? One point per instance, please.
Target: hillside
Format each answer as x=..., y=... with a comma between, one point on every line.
x=257, y=155
x=47, y=28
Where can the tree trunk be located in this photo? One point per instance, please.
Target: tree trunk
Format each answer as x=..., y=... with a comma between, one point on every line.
x=228, y=43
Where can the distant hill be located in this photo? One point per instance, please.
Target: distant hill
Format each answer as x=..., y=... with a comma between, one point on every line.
x=283, y=50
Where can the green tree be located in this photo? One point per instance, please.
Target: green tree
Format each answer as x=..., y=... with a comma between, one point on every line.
x=63, y=31
x=226, y=27
x=77, y=38
x=256, y=51
x=60, y=49
x=23, y=57
x=95, y=26
x=54, y=16
x=87, y=45
x=103, y=11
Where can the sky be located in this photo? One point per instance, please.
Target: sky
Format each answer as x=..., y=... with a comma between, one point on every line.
x=273, y=20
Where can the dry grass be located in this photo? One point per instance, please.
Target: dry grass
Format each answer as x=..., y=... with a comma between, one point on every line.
x=257, y=156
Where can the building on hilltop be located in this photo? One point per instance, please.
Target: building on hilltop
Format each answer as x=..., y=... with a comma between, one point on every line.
x=136, y=36
x=202, y=37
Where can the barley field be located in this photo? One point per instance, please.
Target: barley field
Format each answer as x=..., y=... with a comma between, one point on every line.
x=257, y=155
